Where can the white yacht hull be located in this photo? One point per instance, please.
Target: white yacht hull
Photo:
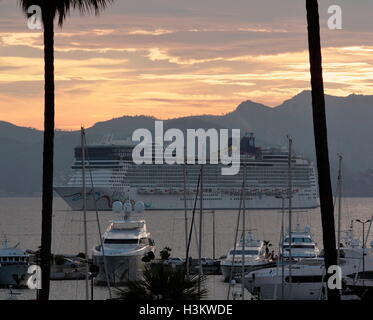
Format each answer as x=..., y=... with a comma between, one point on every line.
x=227, y=271
x=120, y=269
x=308, y=277
x=294, y=291
x=105, y=196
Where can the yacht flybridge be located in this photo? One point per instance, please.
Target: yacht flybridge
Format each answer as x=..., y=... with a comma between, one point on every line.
x=301, y=245
x=124, y=245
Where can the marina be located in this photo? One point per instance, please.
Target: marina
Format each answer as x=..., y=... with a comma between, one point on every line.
x=167, y=229
x=128, y=177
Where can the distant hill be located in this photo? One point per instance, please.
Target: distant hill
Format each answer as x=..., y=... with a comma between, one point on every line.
x=350, y=133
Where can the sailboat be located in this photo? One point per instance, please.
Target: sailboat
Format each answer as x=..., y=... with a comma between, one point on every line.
x=248, y=254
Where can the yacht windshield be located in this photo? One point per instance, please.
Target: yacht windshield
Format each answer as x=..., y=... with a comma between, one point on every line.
x=247, y=252
x=122, y=241
x=300, y=246
x=299, y=240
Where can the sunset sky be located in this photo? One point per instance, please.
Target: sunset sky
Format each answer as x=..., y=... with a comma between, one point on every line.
x=170, y=58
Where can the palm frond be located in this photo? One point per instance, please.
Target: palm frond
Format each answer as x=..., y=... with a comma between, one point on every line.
x=161, y=282
x=63, y=8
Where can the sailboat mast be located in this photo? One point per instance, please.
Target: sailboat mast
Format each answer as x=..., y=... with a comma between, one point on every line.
x=339, y=207
x=200, y=273
x=290, y=191
x=186, y=220
x=85, y=216
x=282, y=248
x=243, y=234
x=213, y=235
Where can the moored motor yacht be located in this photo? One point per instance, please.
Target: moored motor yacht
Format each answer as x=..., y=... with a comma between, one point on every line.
x=124, y=245
x=301, y=245
x=252, y=252
x=303, y=280
x=14, y=264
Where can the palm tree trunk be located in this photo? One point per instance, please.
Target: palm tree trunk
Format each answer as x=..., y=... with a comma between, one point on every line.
x=47, y=200
x=321, y=140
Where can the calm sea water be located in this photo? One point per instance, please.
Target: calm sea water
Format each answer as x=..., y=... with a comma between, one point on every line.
x=21, y=222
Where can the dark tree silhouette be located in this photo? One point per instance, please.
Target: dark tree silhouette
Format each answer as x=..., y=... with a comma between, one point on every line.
x=162, y=282
x=321, y=139
x=50, y=10
x=165, y=253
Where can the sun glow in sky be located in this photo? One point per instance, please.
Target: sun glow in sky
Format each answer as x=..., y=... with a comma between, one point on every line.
x=171, y=58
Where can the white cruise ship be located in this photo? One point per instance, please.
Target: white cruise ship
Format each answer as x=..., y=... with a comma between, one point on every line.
x=111, y=175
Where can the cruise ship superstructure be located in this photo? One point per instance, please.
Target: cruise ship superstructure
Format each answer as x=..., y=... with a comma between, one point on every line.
x=111, y=175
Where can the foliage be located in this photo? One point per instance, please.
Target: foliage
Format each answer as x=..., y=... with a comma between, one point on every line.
x=161, y=282
x=62, y=8
x=165, y=253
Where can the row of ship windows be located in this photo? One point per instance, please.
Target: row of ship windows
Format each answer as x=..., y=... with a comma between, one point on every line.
x=209, y=174
x=157, y=184
x=181, y=176
x=179, y=182
x=217, y=175
x=208, y=177
x=196, y=169
x=12, y=259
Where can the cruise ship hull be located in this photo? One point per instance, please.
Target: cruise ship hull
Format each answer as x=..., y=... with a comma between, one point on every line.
x=102, y=199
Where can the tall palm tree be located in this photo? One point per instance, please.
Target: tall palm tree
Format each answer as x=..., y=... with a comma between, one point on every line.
x=162, y=282
x=52, y=9
x=321, y=139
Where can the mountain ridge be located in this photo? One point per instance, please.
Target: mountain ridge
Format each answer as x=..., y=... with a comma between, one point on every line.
x=349, y=129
